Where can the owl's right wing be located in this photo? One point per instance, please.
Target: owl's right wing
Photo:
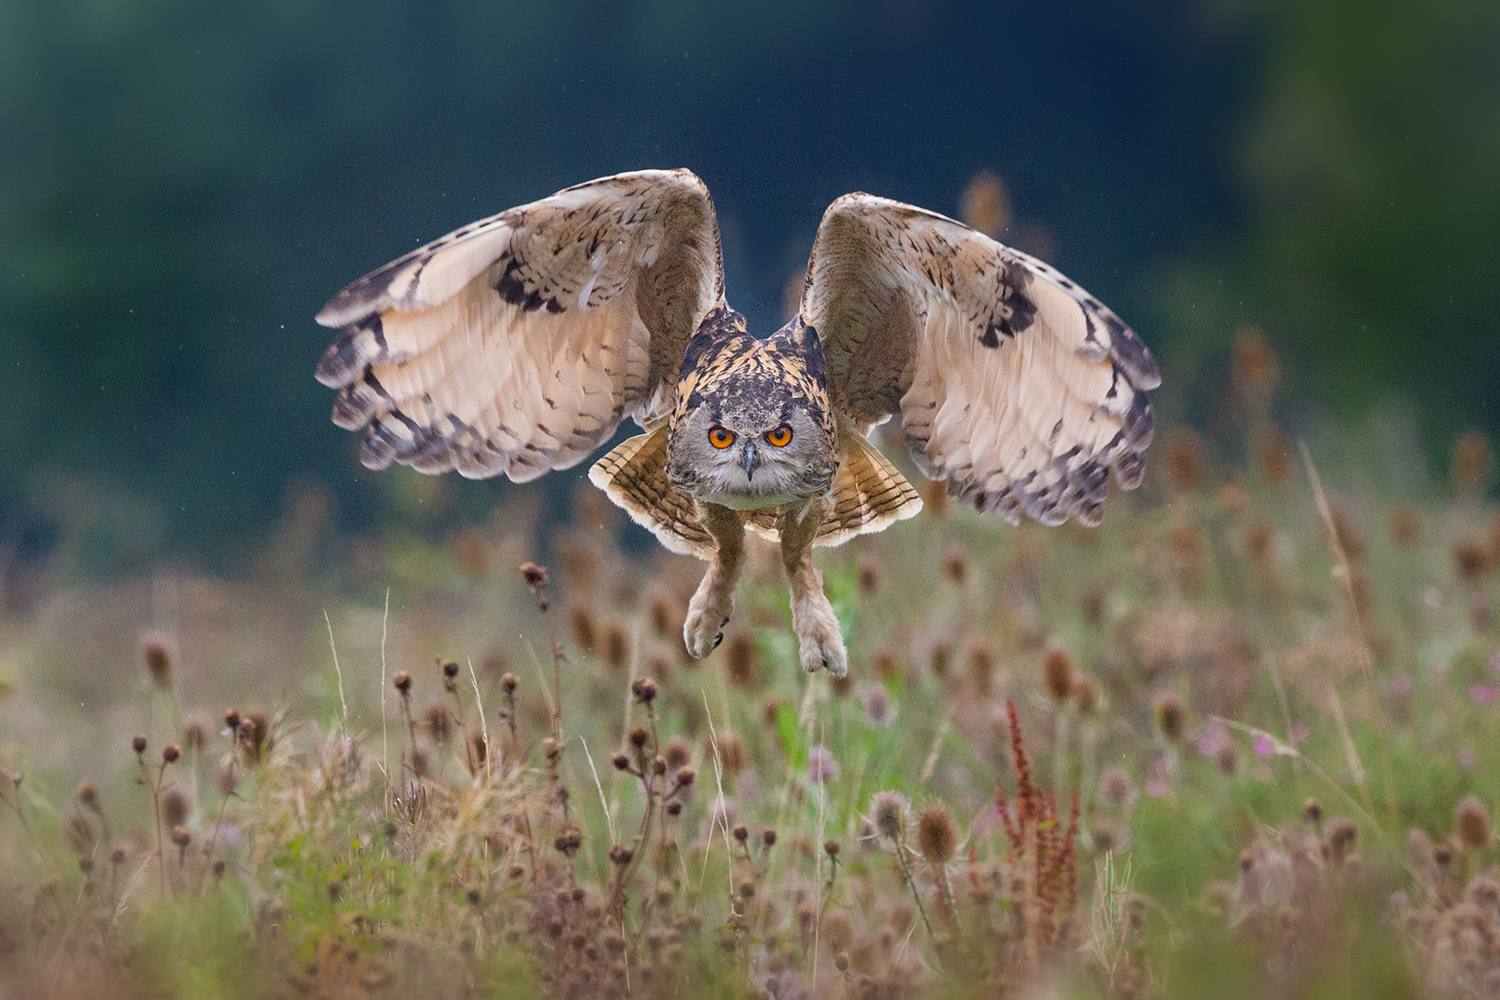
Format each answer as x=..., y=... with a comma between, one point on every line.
x=517, y=344
x=1013, y=385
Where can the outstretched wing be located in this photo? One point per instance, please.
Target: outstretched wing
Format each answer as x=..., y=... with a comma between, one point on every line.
x=1012, y=384
x=518, y=343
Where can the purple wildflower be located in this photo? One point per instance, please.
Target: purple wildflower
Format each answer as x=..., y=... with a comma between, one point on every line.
x=821, y=765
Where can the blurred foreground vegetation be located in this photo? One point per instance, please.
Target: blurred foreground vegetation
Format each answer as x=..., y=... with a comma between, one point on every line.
x=1242, y=739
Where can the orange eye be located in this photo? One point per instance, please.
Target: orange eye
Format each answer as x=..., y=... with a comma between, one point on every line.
x=780, y=436
x=720, y=438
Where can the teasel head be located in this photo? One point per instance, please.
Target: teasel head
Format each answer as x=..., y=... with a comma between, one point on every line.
x=660, y=615
x=888, y=812
x=174, y=807
x=985, y=204
x=1405, y=526
x=740, y=660
x=1472, y=460
x=1058, y=674
x=980, y=666
x=440, y=723
x=677, y=751
x=584, y=627
x=1340, y=841
x=1085, y=694
x=1471, y=823
x=1170, y=717
x=941, y=658
x=1256, y=368
x=936, y=838
x=1186, y=459
x=956, y=565
x=616, y=647
x=877, y=706
x=1273, y=452
x=87, y=795
x=194, y=736
x=158, y=659
x=732, y=752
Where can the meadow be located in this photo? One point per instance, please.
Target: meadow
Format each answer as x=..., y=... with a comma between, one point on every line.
x=1241, y=739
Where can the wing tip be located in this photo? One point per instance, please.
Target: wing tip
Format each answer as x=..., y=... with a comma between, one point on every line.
x=348, y=307
x=1138, y=361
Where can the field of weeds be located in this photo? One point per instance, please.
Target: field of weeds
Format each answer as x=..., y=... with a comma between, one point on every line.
x=1241, y=739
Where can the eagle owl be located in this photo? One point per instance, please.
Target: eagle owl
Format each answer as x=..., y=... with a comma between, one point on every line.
x=517, y=345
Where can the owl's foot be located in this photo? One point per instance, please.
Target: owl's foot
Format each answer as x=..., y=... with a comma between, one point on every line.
x=704, y=628
x=820, y=644
x=713, y=603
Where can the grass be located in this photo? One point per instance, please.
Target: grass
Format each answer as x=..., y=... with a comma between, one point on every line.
x=1242, y=739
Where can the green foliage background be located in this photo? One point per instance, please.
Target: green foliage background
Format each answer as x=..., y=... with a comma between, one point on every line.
x=184, y=183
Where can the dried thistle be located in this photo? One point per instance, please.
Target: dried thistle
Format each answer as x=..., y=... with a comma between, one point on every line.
x=1472, y=460
x=936, y=838
x=1085, y=694
x=1471, y=823
x=888, y=811
x=158, y=659
x=1170, y=718
x=1256, y=369
x=985, y=204
x=1058, y=675
x=740, y=661
x=1187, y=456
x=174, y=807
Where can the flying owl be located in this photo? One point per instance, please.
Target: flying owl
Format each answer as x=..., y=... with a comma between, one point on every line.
x=517, y=345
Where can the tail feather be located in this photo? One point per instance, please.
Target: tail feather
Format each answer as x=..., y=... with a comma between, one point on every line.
x=869, y=494
x=634, y=475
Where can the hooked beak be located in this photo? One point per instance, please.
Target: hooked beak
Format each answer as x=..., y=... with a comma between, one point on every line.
x=750, y=459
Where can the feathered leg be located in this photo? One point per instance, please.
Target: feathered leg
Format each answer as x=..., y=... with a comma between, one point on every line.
x=711, y=606
x=820, y=644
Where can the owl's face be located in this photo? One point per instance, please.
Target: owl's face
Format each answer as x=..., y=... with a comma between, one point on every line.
x=752, y=427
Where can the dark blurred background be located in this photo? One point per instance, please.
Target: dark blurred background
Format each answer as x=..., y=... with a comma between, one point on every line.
x=182, y=184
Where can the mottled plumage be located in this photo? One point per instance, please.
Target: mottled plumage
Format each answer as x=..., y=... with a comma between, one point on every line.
x=519, y=343
x=1012, y=384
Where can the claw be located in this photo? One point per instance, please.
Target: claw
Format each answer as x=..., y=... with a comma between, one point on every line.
x=822, y=648
x=699, y=634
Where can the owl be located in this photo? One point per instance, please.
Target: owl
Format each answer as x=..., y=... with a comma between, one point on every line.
x=519, y=343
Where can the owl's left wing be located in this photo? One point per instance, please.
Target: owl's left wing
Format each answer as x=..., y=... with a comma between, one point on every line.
x=518, y=343
x=1012, y=384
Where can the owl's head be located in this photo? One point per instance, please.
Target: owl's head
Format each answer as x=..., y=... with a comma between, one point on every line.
x=752, y=427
